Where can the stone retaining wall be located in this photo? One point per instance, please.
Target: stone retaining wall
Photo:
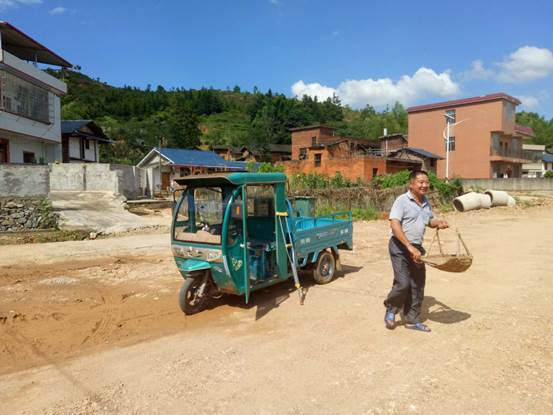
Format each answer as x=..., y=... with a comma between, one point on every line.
x=23, y=214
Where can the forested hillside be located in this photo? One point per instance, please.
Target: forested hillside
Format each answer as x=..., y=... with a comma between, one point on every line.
x=139, y=118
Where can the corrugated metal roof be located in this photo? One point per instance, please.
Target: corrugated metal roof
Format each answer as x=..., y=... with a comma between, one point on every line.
x=186, y=157
x=547, y=157
x=24, y=47
x=465, y=101
x=424, y=153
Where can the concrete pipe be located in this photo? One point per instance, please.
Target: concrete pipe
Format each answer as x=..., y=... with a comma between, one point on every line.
x=499, y=197
x=511, y=202
x=468, y=201
x=485, y=200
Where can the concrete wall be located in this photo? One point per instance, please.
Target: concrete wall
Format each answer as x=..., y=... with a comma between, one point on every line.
x=516, y=184
x=24, y=181
x=46, y=151
x=125, y=180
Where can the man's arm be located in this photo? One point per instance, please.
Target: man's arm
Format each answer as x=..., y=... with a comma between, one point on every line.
x=438, y=223
x=400, y=235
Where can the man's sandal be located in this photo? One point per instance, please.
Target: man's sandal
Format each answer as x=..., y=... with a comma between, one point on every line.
x=390, y=320
x=419, y=327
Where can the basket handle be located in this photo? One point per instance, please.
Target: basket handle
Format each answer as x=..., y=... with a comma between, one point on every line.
x=463, y=242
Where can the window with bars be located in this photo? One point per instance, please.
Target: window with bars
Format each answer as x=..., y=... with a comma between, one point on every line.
x=23, y=98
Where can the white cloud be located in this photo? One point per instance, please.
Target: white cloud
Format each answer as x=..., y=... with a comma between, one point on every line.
x=528, y=63
x=8, y=4
x=300, y=89
x=477, y=71
x=275, y=2
x=529, y=102
x=58, y=10
x=380, y=92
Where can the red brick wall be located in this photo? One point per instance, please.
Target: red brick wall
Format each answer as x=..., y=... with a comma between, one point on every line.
x=351, y=168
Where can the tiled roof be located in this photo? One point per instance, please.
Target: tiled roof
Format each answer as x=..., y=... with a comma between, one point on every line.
x=424, y=153
x=74, y=126
x=465, y=101
x=311, y=127
x=524, y=130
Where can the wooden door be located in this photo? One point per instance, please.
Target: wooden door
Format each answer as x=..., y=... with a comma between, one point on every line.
x=165, y=180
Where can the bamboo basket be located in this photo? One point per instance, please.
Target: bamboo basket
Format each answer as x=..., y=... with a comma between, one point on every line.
x=458, y=262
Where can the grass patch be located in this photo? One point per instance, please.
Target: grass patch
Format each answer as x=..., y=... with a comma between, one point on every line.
x=37, y=237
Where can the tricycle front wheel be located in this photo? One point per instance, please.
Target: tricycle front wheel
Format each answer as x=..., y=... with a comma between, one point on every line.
x=325, y=268
x=191, y=298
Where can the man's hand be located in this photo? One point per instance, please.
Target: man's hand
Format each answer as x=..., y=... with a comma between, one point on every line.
x=415, y=254
x=439, y=223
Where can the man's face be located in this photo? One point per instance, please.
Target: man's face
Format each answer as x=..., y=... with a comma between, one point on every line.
x=419, y=185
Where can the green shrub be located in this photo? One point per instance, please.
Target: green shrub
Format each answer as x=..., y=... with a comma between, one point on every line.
x=548, y=174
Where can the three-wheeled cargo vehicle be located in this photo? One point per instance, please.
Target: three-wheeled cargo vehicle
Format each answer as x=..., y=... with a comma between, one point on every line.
x=234, y=233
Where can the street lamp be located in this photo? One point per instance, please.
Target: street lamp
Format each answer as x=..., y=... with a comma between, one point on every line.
x=448, y=119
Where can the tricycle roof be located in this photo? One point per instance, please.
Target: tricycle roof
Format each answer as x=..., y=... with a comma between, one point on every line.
x=232, y=178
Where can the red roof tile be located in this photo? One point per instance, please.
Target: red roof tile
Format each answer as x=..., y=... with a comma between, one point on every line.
x=465, y=101
x=524, y=130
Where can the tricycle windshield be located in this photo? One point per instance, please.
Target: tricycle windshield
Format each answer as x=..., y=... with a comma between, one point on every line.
x=200, y=215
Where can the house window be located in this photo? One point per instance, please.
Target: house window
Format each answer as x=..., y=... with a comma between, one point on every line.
x=303, y=153
x=450, y=116
x=451, y=144
x=375, y=171
x=24, y=98
x=314, y=141
x=29, y=158
x=4, y=151
x=318, y=160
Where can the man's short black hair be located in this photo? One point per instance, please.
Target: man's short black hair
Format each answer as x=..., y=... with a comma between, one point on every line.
x=415, y=173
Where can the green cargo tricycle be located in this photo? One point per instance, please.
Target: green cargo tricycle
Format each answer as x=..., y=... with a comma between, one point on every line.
x=234, y=233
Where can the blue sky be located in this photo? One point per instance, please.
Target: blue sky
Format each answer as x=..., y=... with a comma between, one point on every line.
x=366, y=52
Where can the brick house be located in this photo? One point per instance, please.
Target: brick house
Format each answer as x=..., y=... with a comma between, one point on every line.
x=485, y=142
x=317, y=149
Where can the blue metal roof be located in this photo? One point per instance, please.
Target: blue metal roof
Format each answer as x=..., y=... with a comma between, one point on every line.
x=548, y=158
x=424, y=153
x=185, y=157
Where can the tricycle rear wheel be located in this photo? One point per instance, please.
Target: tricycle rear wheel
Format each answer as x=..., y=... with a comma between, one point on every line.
x=325, y=268
x=190, y=300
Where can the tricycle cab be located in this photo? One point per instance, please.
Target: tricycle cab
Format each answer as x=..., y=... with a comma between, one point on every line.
x=227, y=235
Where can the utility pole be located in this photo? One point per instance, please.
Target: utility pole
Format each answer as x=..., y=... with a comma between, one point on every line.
x=160, y=142
x=448, y=119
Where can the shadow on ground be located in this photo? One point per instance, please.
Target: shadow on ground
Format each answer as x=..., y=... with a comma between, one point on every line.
x=269, y=298
x=437, y=311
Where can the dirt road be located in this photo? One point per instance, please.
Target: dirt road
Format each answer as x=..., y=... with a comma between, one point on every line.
x=93, y=327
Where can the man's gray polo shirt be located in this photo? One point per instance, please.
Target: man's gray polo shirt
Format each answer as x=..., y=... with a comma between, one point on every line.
x=412, y=216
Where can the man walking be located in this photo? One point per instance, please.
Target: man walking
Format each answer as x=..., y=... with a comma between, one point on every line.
x=410, y=215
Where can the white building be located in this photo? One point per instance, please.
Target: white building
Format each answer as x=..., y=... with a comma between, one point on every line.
x=542, y=161
x=30, y=110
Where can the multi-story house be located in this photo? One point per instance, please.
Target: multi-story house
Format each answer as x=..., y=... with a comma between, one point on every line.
x=484, y=140
x=30, y=111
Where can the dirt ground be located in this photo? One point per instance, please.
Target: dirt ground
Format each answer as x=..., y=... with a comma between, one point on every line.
x=93, y=327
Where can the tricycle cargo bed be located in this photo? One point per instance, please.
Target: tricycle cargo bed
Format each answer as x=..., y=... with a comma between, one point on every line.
x=315, y=234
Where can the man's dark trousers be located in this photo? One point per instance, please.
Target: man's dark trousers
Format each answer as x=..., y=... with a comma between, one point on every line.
x=409, y=278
